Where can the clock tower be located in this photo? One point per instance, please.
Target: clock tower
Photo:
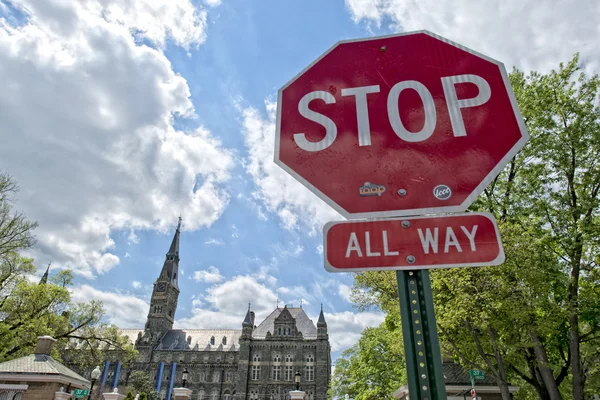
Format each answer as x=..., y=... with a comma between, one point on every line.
x=165, y=295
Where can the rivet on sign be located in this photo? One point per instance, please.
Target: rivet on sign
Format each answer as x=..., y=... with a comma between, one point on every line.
x=383, y=48
x=402, y=192
x=423, y=376
x=405, y=224
x=410, y=259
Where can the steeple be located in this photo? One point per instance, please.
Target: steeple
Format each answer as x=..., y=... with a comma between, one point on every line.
x=322, y=326
x=44, y=279
x=163, y=303
x=171, y=266
x=248, y=324
x=321, y=322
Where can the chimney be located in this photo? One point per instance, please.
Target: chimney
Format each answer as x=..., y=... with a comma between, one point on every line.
x=252, y=317
x=44, y=345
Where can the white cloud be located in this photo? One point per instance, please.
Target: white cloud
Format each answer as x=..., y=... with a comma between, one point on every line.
x=526, y=33
x=211, y=275
x=235, y=231
x=344, y=291
x=132, y=238
x=93, y=108
x=345, y=328
x=215, y=242
x=127, y=255
x=123, y=310
x=227, y=304
x=281, y=194
x=319, y=249
x=136, y=284
x=212, y=3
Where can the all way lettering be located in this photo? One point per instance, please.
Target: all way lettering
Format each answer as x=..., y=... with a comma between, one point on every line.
x=470, y=239
x=429, y=240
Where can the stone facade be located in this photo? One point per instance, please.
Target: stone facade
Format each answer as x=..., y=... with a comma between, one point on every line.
x=256, y=362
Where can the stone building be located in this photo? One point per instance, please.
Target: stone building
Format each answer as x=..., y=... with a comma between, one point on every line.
x=251, y=363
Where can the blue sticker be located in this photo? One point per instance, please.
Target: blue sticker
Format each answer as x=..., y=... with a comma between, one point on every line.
x=371, y=189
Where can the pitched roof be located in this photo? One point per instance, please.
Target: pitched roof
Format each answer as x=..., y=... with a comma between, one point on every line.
x=177, y=339
x=40, y=364
x=303, y=323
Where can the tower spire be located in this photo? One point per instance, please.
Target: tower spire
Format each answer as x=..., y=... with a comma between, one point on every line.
x=45, y=276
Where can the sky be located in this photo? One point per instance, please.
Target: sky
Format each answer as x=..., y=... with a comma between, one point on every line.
x=118, y=116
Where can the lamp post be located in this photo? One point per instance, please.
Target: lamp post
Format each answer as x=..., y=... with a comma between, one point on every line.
x=297, y=380
x=184, y=376
x=95, y=375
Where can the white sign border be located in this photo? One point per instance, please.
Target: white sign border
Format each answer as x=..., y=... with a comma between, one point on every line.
x=497, y=261
x=417, y=211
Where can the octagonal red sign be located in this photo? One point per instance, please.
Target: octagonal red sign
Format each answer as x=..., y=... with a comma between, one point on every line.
x=398, y=125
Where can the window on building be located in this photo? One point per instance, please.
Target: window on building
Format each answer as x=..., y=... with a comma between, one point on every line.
x=310, y=358
x=289, y=358
x=310, y=395
x=256, y=357
x=212, y=340
x=253, y=394
x=279, y=331
x=224, y=341
x=255, y=372
x=289, y=373
x=169, y=313
x=226, y=395
x=309, y=373
x=277, y=357
x=276, y=372
x=214, y=395
x=175, y=275
x=216, y=376
x=201, y=394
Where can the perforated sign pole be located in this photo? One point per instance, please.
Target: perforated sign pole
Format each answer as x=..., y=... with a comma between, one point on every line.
x=421, y=342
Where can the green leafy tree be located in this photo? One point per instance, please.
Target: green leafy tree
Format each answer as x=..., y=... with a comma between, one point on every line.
x=536, y=319
x=29, y=309
x=141, y=383
x=129, y=395
x=374, y=368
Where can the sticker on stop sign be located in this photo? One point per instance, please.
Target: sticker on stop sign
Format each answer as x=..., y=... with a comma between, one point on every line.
x=457, y=240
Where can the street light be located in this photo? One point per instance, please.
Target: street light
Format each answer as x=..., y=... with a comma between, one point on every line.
x=95, y=375
x=297, y=380
x=184, y=376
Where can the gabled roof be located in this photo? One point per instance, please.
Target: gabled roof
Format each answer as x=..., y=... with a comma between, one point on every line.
x=177, y=339
x=40, y=364
x=303, y=324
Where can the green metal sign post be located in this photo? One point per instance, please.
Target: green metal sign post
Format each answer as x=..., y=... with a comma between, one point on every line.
x=421, y=342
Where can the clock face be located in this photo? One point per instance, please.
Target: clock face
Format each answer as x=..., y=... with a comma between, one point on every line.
x=161, y=287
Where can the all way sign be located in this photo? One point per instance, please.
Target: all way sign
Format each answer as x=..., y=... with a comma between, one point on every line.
x=458, y=240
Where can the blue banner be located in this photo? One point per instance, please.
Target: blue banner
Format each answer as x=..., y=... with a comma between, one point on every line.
x=103, y=378
x=117, y=373
x=159, y=375
x=171, y=380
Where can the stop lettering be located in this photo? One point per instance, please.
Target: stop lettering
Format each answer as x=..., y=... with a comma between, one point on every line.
x=400, y=125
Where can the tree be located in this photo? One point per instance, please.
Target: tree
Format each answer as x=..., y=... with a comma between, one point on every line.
x=536, y=319
x=29, y=309
x=374, y=368
x=141, y=383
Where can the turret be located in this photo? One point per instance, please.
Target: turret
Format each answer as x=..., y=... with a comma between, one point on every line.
x=322, y=326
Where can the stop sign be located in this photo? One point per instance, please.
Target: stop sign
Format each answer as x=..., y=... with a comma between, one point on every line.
x=398, y=125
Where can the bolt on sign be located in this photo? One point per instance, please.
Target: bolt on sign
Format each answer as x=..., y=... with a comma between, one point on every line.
x=401, y=126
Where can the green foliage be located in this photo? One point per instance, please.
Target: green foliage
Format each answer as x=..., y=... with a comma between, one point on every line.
x=143, y=396
x=534, y=321
x=141, y=382
x=129, y=396
x=374, y=368
x=29, y=309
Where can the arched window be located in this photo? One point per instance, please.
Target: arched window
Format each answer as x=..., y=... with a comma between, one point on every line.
x=201, y=394
x=256, y=357
x=256, y=368
x=216, y=376
x=214, y=395
x=212, y=340
x=277, y=357
x=226, y=395
x=279, y=331
x=289, y=358
x=224, y=341
x=175, y=275
x=253, y=394
x=310, y=358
